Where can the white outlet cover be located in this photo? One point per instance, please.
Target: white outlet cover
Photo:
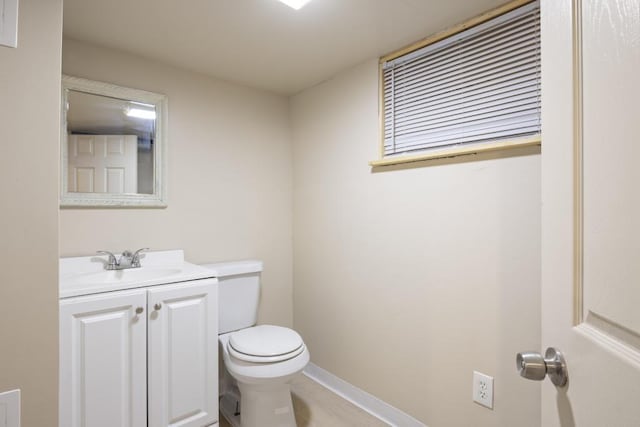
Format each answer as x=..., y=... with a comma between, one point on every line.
x=483, y=389
x=9, y=23
x=10, y=409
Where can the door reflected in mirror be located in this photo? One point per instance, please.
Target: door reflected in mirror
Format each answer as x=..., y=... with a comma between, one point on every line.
x=112, y=145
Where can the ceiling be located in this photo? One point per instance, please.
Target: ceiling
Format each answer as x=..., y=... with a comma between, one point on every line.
x=263, y=43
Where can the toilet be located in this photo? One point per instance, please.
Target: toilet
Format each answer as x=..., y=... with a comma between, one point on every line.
x=258, y=362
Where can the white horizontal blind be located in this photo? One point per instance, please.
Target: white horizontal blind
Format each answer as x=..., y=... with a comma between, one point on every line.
x=479, y=85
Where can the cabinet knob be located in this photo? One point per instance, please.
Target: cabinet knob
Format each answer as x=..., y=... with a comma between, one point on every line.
x=139, y=310
x=157, y=306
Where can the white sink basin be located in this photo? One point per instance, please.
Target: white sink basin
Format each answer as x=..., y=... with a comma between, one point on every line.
x=128, y=275
x=87, y=275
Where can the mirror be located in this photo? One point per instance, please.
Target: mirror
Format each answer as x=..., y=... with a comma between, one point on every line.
x=113, y=145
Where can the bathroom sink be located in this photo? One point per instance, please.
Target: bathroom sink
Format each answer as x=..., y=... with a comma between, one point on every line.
x=128, y=275
x=87, y=275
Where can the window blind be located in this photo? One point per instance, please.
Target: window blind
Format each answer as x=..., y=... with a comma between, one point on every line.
x=479, y=85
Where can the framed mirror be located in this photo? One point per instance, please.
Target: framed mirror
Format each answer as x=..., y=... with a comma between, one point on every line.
x=114, y=144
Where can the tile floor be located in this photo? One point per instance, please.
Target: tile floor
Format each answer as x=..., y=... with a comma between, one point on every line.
x=315, y=406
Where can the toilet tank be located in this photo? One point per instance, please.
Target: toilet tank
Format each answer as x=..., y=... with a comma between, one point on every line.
x=238, y=293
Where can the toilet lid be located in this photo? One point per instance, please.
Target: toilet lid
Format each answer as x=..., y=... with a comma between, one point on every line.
x=266, y=341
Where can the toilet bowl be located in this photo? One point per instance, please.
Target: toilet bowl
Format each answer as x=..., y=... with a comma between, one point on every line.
x=258, y=362
x=263, y=386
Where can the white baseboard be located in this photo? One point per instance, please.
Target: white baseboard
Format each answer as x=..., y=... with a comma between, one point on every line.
x=363, y=400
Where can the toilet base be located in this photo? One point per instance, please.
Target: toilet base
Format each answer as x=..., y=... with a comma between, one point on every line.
x=230, y=408
x=261, y=406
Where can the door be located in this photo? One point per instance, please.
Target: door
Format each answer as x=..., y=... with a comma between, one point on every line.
x=103, y=163
x=591, y=209
x=103, y=350
x=183, y=357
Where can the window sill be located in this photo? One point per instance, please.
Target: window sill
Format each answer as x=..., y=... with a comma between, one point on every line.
x=457, y=151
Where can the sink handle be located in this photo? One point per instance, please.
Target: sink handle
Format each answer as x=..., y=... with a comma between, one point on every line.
x=113, y=261
x=135, y=258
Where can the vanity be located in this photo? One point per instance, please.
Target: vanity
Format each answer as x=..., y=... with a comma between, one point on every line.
x=138, y=346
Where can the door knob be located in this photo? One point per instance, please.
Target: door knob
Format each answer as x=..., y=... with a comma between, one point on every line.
x=533, y=366
x=157, y=306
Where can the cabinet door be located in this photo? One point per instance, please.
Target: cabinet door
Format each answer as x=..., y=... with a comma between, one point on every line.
x=103, y=348
x=183, y=358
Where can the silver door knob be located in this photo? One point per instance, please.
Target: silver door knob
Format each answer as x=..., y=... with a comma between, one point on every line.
x=533, y=366
x=157, y=306
x=139, y=310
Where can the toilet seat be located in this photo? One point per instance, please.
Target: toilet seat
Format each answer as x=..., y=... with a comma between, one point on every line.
x=265, y=344
x=248, y=372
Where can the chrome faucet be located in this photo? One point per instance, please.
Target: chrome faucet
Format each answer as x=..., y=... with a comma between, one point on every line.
x=126, y=260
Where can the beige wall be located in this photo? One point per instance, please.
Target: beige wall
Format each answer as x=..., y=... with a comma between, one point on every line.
x=29, y=132
x=408, y=280
x=405, y=281
x=229, y=175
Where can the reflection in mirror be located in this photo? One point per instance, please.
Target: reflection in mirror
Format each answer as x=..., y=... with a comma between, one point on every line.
x=112, y=145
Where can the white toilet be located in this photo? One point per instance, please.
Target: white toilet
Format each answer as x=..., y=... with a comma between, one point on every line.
x=259, y=361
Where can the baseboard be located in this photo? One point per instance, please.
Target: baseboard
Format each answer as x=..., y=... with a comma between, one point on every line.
x=363, y=400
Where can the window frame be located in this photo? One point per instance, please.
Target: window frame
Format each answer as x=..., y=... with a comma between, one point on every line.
x=450, y=151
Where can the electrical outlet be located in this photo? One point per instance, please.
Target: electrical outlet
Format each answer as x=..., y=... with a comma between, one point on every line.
x=10, y=409
x=483, y=389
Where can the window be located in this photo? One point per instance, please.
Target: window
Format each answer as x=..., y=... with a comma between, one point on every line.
x=477, y=88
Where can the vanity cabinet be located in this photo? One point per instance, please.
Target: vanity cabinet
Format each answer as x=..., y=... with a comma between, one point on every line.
x=140, y=357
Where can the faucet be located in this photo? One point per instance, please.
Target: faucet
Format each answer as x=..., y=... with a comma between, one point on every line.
x=126, y=260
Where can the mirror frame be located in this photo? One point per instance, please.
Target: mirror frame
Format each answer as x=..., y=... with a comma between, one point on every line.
x=120, y=200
